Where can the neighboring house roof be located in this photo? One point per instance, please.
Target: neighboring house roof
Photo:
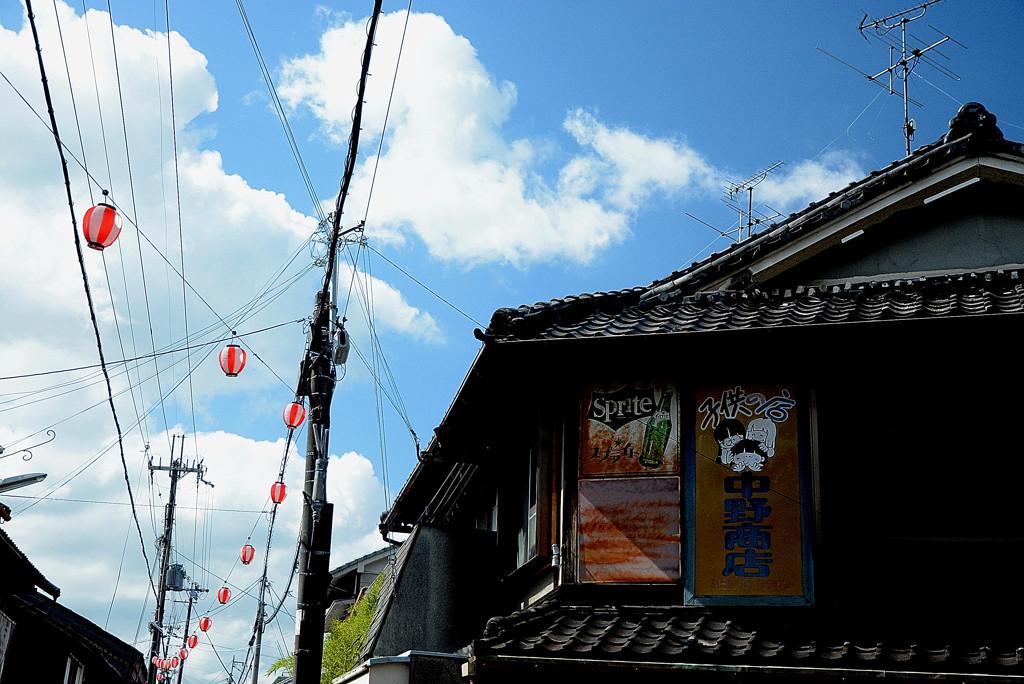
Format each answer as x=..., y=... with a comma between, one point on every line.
x=349, y=582
x=121, y=658
x=354, y=564
x=16, y=566
x=583, y=631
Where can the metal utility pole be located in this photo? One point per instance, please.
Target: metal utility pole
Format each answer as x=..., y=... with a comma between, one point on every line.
x=176, y=468
x=317, y=380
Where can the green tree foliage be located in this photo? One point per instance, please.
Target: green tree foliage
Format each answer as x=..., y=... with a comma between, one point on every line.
x=287, y=664
x=344, y=640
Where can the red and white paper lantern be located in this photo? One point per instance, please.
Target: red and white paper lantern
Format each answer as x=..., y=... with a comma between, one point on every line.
x=101, y=226
x=232, y=360
x=294, y=414
x=247, y=554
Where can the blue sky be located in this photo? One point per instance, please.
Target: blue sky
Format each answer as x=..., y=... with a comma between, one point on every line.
x=533, y=150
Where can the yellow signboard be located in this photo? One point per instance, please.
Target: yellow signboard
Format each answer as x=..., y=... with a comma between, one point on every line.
x=749, y=511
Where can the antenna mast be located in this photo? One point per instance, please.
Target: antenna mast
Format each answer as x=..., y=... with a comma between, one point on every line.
x=733, y=189
x=903, y=59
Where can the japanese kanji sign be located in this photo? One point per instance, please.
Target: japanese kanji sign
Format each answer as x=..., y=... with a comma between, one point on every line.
x=749, y=510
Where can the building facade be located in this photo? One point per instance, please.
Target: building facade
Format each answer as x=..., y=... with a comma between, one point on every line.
x=43, y=641
x=781, y=462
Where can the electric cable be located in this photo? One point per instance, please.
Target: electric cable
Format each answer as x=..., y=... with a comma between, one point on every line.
x=279, y=108
x=85, y=278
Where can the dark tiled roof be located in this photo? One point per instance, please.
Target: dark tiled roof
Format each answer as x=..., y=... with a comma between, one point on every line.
x=624, y=313
x=385, y=595
x=684, y=635
x=674, y=303
x=16, y=564
x=122, y=659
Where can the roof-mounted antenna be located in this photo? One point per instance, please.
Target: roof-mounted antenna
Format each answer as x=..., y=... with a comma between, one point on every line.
x=748, y=221
x=903, y=58
x=747, y=186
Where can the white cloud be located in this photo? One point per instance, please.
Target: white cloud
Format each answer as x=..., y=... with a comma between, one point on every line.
x=390, y=308
x=238, y=241
x=447, y=174
x=633, y=166
x=450, y=177
x=805, y=181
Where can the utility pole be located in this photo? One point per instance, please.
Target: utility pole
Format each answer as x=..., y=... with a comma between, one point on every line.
x=317, y=380
x=176, y=469
x=318, y=375
x=193, y=594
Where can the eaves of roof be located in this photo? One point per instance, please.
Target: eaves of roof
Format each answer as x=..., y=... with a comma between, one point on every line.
x=723, y=640
x=945, y=296
x=120, y=657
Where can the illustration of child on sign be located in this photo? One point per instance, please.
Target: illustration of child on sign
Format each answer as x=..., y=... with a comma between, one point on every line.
x=728, y=433
x=745, y=447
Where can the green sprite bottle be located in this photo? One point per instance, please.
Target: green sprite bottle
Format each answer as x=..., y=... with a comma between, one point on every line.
x=652, y=453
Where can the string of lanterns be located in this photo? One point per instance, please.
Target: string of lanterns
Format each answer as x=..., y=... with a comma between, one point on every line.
x=294, y=414
x=101, y=226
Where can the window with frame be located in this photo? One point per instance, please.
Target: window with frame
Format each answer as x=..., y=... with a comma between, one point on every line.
x=526, y=534
x=74, y=672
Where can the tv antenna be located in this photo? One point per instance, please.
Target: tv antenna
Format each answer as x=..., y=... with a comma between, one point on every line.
x=749, y=217
x=903, y=58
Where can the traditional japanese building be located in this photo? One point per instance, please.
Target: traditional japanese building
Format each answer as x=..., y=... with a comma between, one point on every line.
x=790, y=460
x=44, y=641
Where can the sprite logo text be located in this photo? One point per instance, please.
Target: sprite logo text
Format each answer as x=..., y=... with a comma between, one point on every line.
x=621, y=407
